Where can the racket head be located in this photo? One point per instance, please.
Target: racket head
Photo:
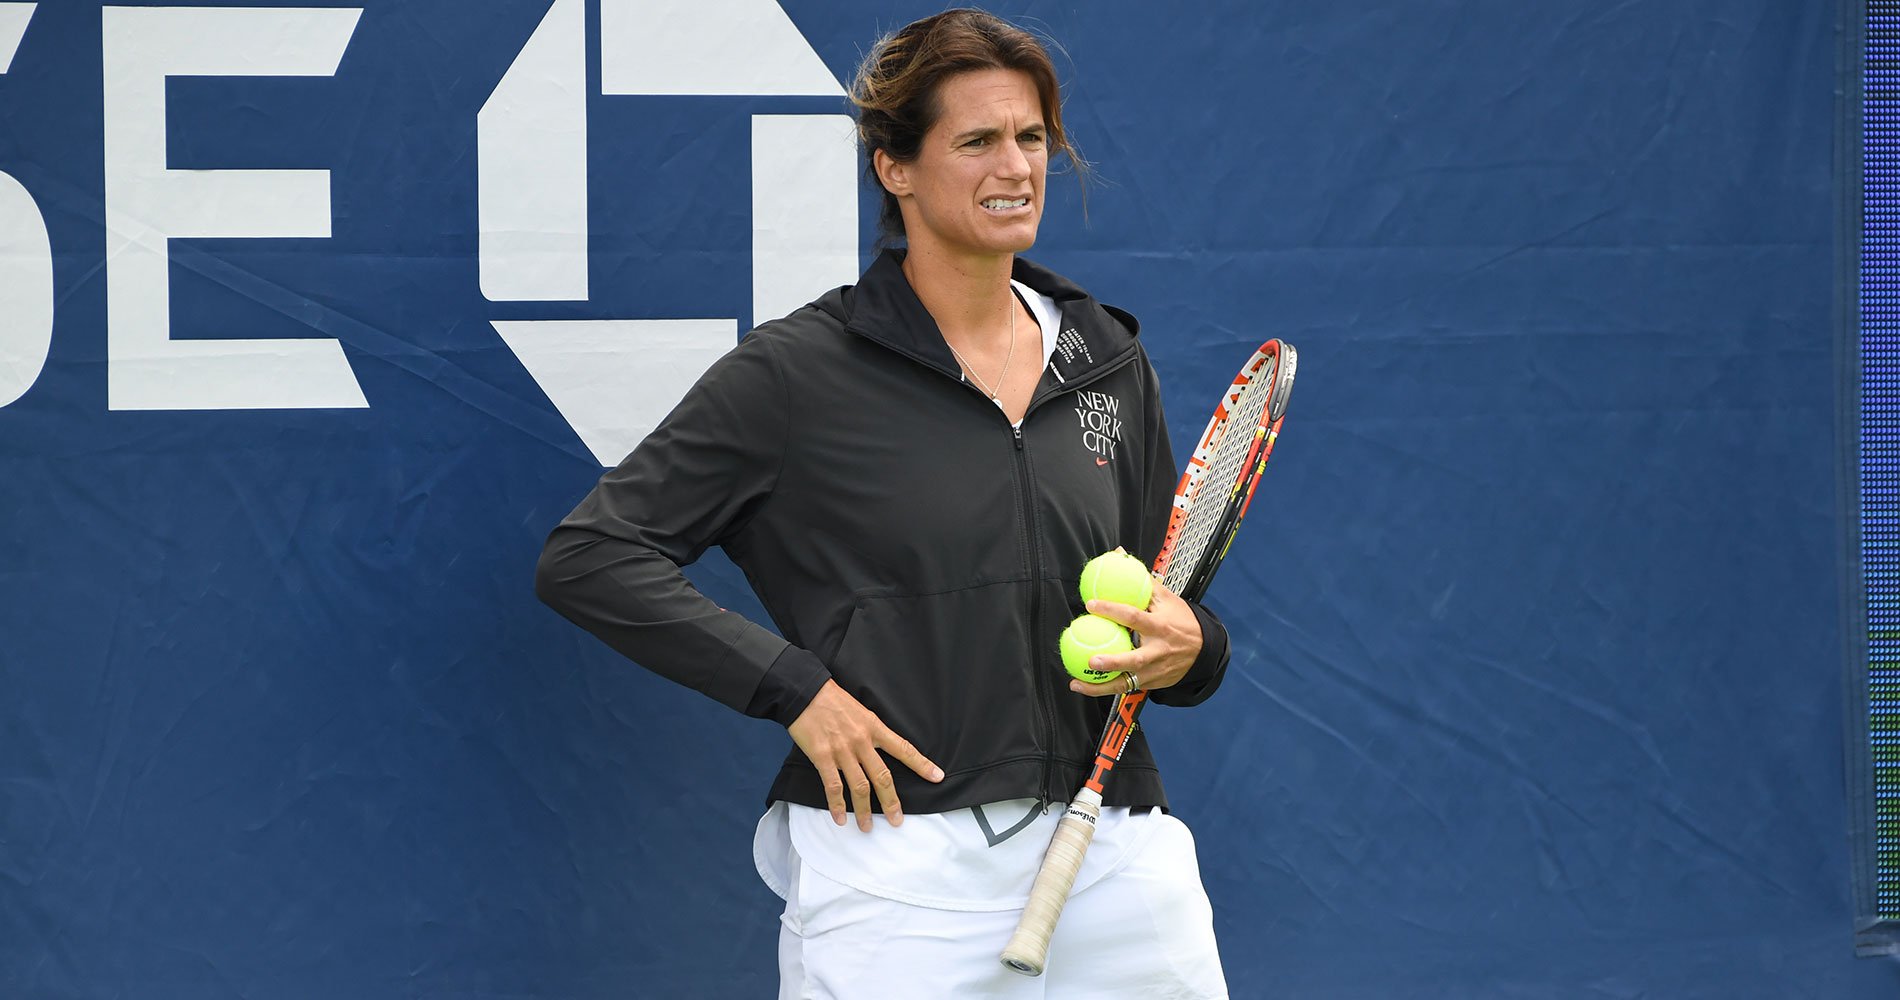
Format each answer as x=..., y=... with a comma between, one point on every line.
x=1218, y=483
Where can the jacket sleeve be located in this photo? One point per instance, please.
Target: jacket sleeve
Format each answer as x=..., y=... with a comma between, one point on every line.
x=1161, y=477
x=613, y=565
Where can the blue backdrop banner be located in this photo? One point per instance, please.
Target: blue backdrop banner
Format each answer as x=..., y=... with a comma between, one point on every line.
x=314, y=320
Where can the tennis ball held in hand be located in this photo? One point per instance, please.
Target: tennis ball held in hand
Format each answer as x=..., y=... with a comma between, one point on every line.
x=1119, y=577
x=1088, y=636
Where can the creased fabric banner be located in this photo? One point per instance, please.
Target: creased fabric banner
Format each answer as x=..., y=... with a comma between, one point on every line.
x=314, y=320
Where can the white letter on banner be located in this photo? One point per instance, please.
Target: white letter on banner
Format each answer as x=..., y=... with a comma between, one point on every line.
x=26, y=256
x=148, y=204
x=703, y=47
x=26, y=291
x=804, y=210
x=13, y=19
x=531, y=167
x=616, y=379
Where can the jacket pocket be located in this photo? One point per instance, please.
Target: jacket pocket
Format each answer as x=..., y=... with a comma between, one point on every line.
x=950, y=672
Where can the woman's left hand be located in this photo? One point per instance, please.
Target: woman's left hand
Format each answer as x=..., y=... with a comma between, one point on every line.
x=1170, y=642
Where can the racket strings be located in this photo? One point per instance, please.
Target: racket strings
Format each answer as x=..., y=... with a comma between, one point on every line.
x=1214, y=488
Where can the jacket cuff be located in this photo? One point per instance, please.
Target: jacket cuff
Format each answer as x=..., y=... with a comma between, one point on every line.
x=1209, y=668
x=788, y=686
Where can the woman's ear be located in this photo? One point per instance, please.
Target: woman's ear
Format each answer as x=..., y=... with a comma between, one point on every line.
x=893, y=175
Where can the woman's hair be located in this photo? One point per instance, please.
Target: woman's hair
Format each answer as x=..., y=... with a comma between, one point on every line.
x=897, y=87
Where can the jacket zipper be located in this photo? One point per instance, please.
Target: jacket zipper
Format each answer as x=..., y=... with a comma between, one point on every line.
x=1045, y=702
x=1045, y=706
x=1045, y=709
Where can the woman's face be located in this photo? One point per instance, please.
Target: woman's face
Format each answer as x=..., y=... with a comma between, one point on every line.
x=975, y=188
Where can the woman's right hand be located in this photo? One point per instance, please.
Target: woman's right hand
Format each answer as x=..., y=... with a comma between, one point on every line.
x=843, y=738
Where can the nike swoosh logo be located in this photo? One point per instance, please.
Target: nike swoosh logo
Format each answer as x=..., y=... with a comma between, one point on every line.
x=1101, y=461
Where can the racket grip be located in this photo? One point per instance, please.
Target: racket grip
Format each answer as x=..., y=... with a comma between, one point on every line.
x=1028, y=948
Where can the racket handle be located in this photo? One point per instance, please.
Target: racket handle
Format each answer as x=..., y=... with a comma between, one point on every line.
x=1028, y=948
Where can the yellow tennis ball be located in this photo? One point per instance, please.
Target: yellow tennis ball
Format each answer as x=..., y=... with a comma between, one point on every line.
x=1119, y=577
x=1088, y=636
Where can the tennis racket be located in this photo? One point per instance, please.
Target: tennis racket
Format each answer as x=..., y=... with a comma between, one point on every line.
x=1209, y=502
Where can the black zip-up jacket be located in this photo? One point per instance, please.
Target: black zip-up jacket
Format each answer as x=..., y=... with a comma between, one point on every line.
x=907, y=541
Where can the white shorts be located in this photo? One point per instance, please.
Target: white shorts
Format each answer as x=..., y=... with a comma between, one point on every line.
x=1146, y=931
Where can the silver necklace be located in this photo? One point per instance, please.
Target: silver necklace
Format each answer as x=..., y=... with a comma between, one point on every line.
x=971, y=369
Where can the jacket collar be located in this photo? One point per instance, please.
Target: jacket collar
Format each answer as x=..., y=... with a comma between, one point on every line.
x=883, y=308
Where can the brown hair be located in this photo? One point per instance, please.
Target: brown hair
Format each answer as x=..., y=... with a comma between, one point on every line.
x=896, y=87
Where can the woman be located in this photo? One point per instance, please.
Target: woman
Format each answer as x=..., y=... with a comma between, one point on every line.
x=912, y=472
